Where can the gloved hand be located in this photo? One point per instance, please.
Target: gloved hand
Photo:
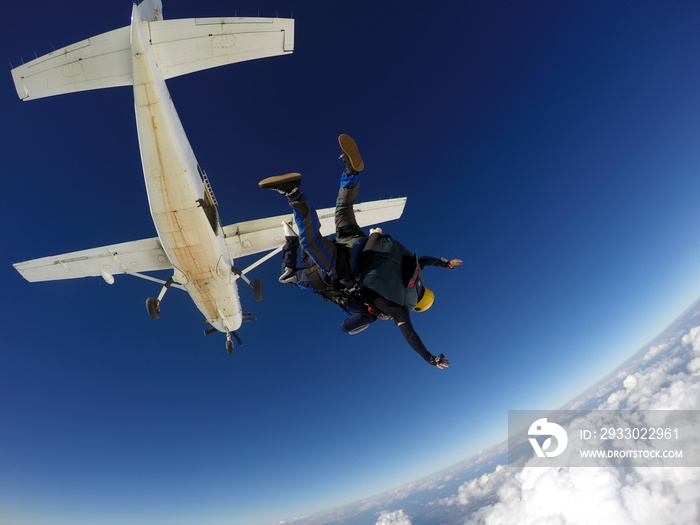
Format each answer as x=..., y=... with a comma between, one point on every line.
x=440, y=361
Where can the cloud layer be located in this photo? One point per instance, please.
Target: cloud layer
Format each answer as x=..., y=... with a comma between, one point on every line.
x=670, y=380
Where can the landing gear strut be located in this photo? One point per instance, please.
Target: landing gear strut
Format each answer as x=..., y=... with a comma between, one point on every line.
x=153, y=305
x=256, y=285
x=229, y=343
x=229, y=335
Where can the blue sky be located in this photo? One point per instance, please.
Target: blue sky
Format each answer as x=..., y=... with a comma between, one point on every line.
x=550, y=145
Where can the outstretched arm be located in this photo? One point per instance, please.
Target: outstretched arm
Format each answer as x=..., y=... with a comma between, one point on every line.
x=413, y=339
x=402, y=318
x=442, y=262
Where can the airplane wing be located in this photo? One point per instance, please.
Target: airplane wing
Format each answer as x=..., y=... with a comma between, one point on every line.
x=130, y=257
x=251, y=237
x=147, y=255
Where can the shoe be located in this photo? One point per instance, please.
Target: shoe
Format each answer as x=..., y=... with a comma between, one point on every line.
x=287, y=185
x=287, y=276
x=350, y=155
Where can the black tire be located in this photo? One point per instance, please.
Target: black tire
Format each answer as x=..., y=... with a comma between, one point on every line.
x=229, y=347
x=257, y=290
x=153, y=307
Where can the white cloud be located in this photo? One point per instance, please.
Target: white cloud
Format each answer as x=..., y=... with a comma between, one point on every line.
x=642, y=392
x=597, y=495
x=556, y=496
x=630, y=382
x=693, y=338
x=694, y=366
x=655, y=350
x=397, y=517
x=476, y=489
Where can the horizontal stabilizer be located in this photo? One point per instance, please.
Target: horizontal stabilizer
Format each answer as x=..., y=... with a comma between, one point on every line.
x=179, y=46
x=99, y=62
x=193, y=44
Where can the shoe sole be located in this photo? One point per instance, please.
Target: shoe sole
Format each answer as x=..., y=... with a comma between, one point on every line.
x=350, y=149
x=272, y=181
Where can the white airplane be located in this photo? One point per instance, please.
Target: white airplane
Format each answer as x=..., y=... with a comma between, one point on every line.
x=191, y=241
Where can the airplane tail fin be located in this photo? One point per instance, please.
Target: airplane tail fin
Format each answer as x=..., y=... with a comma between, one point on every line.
x=179, y=47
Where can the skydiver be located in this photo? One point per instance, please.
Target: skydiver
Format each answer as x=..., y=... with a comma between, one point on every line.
x=389, y=289
x=314, y=278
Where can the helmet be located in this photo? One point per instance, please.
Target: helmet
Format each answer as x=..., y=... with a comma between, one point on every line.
x=426, y=300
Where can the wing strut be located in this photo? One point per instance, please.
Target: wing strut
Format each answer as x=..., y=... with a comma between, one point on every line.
x=153, y=279
x=261, y=260
x=256, y=285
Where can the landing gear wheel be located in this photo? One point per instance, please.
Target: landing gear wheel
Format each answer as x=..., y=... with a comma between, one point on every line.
x=229, y=347
x=153, y=307
x=257, y=290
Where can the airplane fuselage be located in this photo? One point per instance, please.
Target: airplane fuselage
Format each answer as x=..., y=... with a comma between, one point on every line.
x=182, y=207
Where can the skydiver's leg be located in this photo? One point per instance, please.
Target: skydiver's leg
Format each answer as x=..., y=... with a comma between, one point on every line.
x=291, y=274
x=307, y=260
x=332, y=257
x=289, y=260
x=301, y=279
x=345, y=222
x=358, y=317
x=289, y=252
